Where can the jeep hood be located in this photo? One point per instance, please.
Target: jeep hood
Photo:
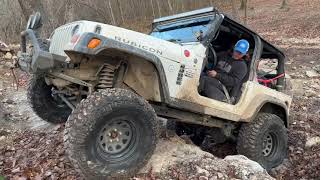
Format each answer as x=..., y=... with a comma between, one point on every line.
x=159, y=47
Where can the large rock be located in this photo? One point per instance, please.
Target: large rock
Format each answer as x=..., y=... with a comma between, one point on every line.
x=313, y=141
x=244, y=162
x=317, y=68
x=14, y=47
x=8, y=64
x=297, y=86
x=174, y=159
x=4, y=47
x=312, y=74
x=8, y=56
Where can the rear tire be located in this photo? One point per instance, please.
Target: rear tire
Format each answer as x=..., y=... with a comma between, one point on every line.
x=43, y=104
x=264, y=140
x=111, y=134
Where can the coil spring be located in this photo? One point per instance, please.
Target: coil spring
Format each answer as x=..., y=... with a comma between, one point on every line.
x=106, y=77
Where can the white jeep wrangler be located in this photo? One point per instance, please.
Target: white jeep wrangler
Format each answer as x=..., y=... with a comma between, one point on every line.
x=110, y=84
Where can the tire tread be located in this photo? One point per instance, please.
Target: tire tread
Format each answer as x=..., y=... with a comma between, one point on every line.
x=107, y=98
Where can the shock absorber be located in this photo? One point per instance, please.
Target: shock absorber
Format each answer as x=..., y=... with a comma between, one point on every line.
x=106, y=76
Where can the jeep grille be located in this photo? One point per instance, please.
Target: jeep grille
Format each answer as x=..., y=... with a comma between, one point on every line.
x=61, y=37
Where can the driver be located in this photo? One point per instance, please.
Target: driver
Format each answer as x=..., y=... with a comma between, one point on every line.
x=230, y=71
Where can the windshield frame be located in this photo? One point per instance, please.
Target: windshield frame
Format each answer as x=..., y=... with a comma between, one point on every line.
x=215, y=20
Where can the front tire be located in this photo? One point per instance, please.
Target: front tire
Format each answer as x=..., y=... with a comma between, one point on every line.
x=111, y=134
x=42, y=102
x=264, y=140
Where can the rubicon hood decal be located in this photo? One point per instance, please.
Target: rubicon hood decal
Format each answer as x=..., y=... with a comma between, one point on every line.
x=138, y=45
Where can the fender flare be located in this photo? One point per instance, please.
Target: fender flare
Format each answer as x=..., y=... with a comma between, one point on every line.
x=282, y=106
x=108, y=43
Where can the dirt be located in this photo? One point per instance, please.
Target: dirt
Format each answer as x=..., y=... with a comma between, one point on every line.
x=31, y=148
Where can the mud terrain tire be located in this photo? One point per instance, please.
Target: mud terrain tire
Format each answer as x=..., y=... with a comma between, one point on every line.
x=264, y=140
x=42, y=102
x=93, y=128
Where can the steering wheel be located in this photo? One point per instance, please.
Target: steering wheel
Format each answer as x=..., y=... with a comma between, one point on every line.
x=212, y=57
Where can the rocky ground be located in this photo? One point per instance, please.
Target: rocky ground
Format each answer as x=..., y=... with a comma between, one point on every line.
x=30, y=148
x=297, y=32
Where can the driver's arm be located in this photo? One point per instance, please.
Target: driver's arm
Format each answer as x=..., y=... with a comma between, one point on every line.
x=235, y=76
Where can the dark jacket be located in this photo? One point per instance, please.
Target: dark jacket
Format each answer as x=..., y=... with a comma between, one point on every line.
x=230, y=72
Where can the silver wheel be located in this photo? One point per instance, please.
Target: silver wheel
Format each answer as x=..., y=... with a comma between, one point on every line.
x=111, y=134
x=115, y=137
x=265, y=140
x=268, y=144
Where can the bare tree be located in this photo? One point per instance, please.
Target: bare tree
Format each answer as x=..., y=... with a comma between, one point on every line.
x=99, y=11
x=234, y=10
x=15, y=13
x=120, y=11
x=242, y=5
x=159, y=8
x=153, y=11
x=284, y=4
x=28, y=7
x=11, y=21
x=245, y=11
x=170, y=6
x=111, y=12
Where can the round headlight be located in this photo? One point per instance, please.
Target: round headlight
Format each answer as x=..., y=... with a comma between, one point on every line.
x=75, y=30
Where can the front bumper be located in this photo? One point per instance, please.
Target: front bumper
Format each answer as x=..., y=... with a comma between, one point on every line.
x=36, y=60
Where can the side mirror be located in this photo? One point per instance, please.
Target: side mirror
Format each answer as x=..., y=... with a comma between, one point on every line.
x=34, y=21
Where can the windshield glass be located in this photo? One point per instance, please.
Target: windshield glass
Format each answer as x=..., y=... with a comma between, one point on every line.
x=184, y=31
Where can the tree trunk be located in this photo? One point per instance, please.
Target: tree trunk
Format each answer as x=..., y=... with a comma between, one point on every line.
x=121, y=11
x=111, y=13
x=69, y=14
x=159, y=8
x=25, y=8
x=234, y=10
x=284, y=4
x=29, y=7
x=170, y=6
x=133, y=10
x=211, y=3
x=245, y=11
x=153, y=13
x=242, y=5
